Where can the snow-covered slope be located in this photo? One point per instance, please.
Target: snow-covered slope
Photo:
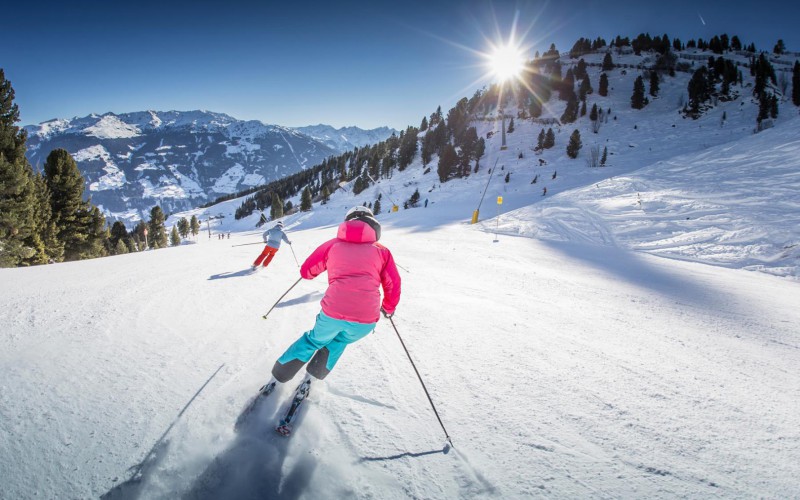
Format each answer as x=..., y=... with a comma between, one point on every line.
x=559, y=369
x=566, y=356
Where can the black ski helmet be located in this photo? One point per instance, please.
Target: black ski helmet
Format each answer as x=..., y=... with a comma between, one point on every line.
x=365, y=215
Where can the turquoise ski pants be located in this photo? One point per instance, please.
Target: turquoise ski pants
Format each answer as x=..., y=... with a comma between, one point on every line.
x=325, y=343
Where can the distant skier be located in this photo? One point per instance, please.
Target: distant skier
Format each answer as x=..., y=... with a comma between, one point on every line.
x=272, y=238
x=544, y=191
x=426, y=202
x=554, y=174
x=358, y=267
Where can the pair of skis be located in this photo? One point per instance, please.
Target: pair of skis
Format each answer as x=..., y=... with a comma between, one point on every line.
x=284, y=427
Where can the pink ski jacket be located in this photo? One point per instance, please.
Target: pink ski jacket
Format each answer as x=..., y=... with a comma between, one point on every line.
x=357, y=266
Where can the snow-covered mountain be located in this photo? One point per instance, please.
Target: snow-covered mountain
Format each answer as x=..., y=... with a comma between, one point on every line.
x=346, y=138
x=179, y=160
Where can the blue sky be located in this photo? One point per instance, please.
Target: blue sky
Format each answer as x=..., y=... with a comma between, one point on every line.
x=336, y=62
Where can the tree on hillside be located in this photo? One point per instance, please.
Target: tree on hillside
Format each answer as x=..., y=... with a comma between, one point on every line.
x=48, y=247
x=424, y=125
x=79, y=224
x=376, y=207
x=136, y=237
x=194, y=226
x=183, y=227
x=447, y=161
x=574, y=145
x=780, y=47
x=510, y=128
x=637, y=99
x=156, y=231
x=549, y=139
x=174, y=237
x=654, y=83
x=604, y=157
x=603, y=88
x=796, y=83
x=276, y=210
x=608, y=63
x=699, y=89
x=593, y=113
x=18, y=226
x=571, y=111
x=118, y=235
x=585, y=88
x=540, y=141
x=305, y=200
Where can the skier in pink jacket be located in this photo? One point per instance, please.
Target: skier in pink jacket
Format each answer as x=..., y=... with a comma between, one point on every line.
x=358, y=266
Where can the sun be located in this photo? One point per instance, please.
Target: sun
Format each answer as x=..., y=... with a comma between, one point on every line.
x=506, y=62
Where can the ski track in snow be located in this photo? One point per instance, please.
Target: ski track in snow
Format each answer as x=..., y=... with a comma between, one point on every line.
x=559, y=370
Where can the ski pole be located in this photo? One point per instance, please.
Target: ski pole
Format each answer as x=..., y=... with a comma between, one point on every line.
x=281, y=298
x=446, y=435
x=295, y=256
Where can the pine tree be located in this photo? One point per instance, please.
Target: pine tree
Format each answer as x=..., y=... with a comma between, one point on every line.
x=414, y=199
x=326, y=195
x=510, y=125
x=603, y=89
x=276, y=211
x=540, y=141
x=120, y=248
x=549, y=139
x=74, y=218
x=574, y=146
x=604, y=157
x=508, y=177
x=376, y=207
x=583, y=108
x=780, y=47
x=194, y=226
x=585, y=88
x=17, y=189
x=796, y=83
x=571, y=111
x=637, y=99
x=447, y=160
x=424, y=125
x=654, y=83
x=183, y=227
x=593, y=113
x=118, y=233
x=305, y=200
x=608, y=63
x=45, y=238
x=96, y=236
x=174, y=237
x=156, y=231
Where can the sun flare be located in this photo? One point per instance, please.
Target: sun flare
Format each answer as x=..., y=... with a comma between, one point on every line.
x=506, y=62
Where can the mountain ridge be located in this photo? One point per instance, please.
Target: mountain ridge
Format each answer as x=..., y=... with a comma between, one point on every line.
x=180, y=159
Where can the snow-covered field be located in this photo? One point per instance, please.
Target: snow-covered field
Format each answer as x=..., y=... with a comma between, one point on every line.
x=559, y=369
x=610, y=339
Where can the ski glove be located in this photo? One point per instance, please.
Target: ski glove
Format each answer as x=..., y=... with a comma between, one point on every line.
x=386, y=314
